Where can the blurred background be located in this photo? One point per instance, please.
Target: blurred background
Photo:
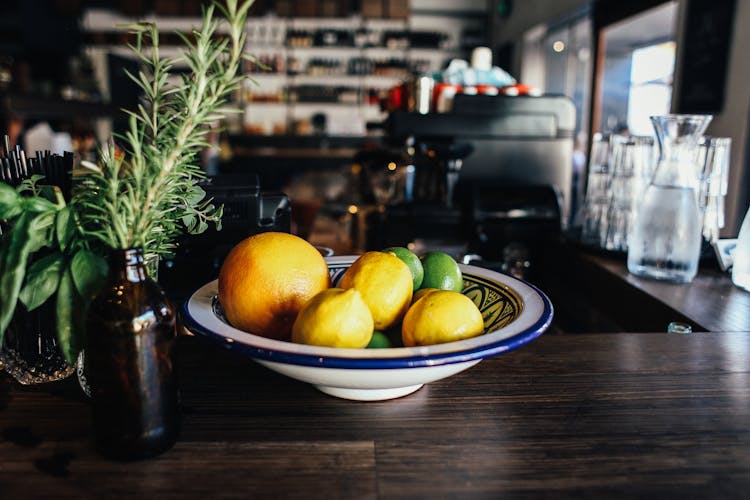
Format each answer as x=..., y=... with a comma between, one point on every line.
x=319, y=117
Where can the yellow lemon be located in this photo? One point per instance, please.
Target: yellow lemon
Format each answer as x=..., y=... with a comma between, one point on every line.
x=441, y=316
x=334, y=318
x=385, y=283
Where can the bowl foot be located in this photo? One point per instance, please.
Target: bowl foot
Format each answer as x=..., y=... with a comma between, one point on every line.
x=368, y=394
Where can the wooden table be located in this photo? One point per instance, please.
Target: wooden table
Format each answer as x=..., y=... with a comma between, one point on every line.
x=586, y=415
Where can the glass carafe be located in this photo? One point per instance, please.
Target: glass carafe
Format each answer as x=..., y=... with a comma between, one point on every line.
x=665, y=241
x=741, y=267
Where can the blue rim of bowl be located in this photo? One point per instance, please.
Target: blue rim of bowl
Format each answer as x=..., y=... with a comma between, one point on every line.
x=409, y=361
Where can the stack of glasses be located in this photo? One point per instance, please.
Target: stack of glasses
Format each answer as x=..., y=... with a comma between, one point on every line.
x=620, y=168
x=619, y=171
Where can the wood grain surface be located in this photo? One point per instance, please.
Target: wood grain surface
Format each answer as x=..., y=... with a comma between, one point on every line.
x=585, y=416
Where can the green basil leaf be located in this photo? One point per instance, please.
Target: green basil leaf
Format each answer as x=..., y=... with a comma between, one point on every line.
x=4, y=245
x=39, y=232
x=37, y=204
x=65, y=227
x=10, y=202
x=16, y=257
x=42, y=279
x=89, y=271
x=34, y=180
x=69, y=332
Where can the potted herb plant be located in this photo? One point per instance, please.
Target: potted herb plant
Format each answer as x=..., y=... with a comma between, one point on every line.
x=44, y=261
x=137, y=199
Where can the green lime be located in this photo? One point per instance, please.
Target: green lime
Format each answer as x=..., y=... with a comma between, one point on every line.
x=412, y=261
x=441, y=271
x=379, y=341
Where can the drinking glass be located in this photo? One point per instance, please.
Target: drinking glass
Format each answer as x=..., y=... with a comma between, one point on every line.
x=713, y=174
x=597, y=190
x=632, y=163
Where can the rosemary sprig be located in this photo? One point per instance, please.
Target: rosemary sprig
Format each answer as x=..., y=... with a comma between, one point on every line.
x=149, y=196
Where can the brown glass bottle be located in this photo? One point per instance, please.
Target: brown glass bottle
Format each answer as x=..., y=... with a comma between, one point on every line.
x=130, y=336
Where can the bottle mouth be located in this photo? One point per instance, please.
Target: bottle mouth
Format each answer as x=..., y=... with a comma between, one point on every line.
x=680, y=127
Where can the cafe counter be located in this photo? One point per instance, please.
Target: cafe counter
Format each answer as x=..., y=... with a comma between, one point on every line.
x=597, y=414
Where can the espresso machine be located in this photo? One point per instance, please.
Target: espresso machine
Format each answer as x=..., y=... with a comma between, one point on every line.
x=490, y=180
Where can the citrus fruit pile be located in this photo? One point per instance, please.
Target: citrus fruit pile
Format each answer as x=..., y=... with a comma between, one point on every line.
x=277, y=285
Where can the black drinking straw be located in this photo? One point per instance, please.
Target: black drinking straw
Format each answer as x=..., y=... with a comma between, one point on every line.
x=56, y=169
x=23, y=163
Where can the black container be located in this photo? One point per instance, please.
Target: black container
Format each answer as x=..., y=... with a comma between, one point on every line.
x=131, y=333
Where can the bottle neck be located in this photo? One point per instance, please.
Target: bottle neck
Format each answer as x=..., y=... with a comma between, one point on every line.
x=678, y=164
x=678, y=150
x=127, y=265
x=678, y=137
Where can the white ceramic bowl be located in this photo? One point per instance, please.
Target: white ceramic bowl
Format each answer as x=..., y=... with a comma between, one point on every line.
x=515, y=313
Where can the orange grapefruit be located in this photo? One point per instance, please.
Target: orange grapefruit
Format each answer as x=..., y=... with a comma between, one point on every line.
x=266, y=279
